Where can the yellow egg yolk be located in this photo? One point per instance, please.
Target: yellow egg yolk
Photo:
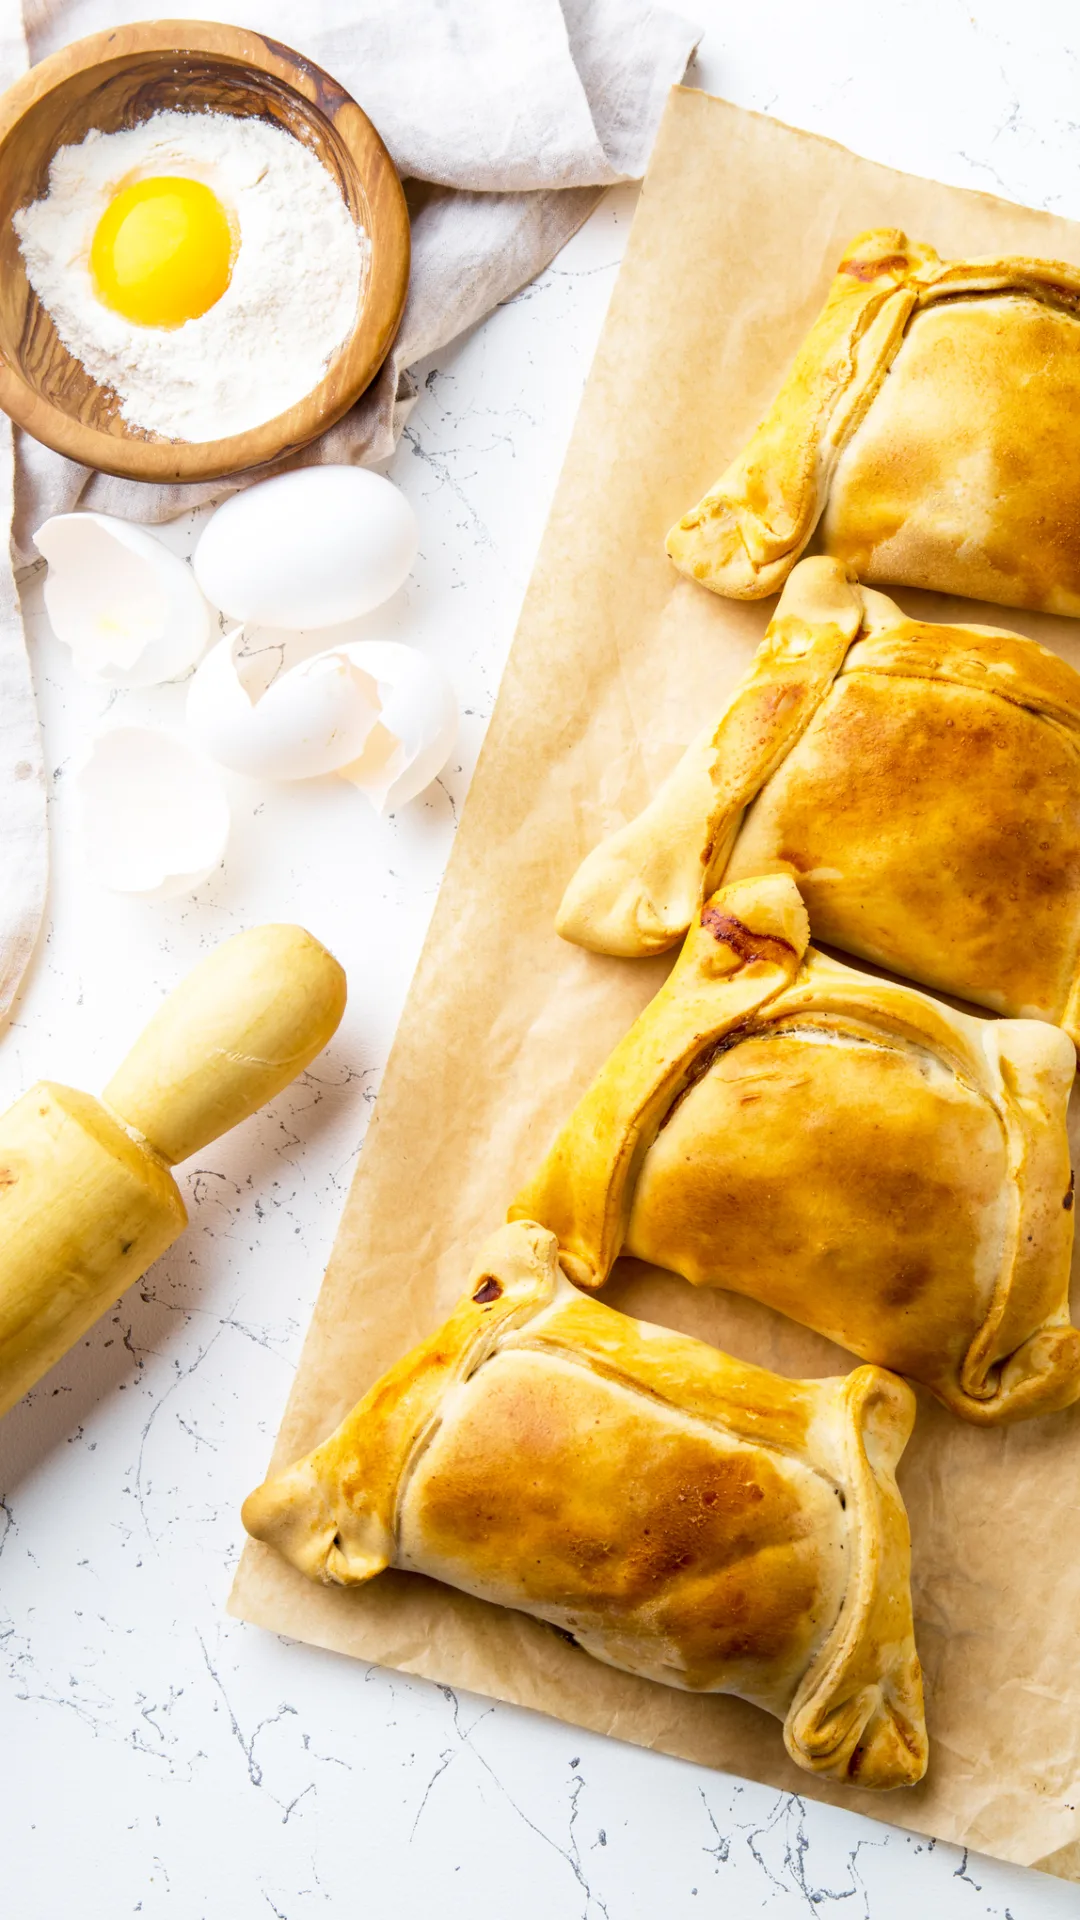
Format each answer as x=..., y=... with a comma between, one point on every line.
x=162, y=252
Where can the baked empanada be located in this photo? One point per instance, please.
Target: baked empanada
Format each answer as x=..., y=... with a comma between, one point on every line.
x=921, y=783
x=927, y=430
x=680, y=1514
x=860, y=1157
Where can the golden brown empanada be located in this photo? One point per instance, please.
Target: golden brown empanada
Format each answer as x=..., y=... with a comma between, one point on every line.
x=927, y=430
x=860, y=1157
x=921, y=783
x=680, y=1514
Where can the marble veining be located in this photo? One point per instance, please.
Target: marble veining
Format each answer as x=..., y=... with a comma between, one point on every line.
x=158, y=1758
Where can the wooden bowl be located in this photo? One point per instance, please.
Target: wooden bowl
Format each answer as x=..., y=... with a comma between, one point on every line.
x=117, y=79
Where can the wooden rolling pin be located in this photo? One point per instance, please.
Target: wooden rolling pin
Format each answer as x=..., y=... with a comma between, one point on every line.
x=87, y=1201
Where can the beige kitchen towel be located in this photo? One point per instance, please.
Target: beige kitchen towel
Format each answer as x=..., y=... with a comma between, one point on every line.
x=507, y=122
x=23, y=841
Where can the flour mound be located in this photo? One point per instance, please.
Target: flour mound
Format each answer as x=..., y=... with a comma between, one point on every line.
x=294, y=294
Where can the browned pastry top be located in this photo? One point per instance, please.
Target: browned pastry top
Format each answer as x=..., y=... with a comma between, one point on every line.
x=921, y=783
x=844, y=1148
x=927, y=435
x=680, y=1514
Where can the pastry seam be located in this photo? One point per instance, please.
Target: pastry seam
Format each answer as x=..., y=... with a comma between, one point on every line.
x=589, y=1218
x=823, y=1689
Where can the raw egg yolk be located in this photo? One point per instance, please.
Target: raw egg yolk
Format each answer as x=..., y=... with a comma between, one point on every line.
x=162, y=252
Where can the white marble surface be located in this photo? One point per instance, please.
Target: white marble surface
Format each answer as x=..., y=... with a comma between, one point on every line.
x=156, y=1757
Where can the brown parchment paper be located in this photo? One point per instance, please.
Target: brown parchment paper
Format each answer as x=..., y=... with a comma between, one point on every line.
x=616, y=662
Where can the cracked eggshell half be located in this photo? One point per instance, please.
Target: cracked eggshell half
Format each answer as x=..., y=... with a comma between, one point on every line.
x=153, y=814
x=416, y=728
x=372, y=711
x=308, y=722
x=307, y=549
x=130, y=610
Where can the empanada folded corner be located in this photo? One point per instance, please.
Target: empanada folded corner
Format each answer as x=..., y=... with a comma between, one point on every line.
x=1020, y=1365
x=679, y=1514
x=743, y=537
x=858, y=1714
x=637, y=891
x=749, y=942
x=303, y=1511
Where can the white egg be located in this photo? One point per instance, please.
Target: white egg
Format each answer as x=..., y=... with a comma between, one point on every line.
x=307, y=549
x=153, y=814
x=129, y=609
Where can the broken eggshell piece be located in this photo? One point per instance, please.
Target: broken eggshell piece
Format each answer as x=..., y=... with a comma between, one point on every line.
x=130, y=610
x=416, y=728
x=309, y=721
x=153, y=815
x=373, y=711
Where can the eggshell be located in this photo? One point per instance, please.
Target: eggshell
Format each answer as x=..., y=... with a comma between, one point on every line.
x=373, y=711
x=308, y=722
x=417, y=727
x=130, y=610
x=307, y=549
x=153, y=815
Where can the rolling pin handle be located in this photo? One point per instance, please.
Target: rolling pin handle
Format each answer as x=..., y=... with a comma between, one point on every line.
x=234, y=1033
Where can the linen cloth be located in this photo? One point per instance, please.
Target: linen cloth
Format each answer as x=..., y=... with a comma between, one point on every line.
x=505, y=118
x=23, y=838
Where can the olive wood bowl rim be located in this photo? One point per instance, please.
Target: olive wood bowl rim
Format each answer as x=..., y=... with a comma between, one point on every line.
x=356, y=363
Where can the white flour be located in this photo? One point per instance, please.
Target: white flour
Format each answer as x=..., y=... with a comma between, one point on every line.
x=293, y=295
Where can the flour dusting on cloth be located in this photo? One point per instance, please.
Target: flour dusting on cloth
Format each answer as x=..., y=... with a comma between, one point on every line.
x=296, y=282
